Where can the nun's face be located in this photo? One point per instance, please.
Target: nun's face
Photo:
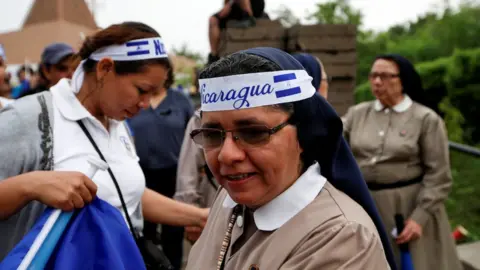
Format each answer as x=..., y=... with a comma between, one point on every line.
x=253, y=173
x=385, y=82
x=323, y=89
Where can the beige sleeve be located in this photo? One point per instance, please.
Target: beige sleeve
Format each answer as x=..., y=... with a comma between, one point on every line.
x=437, y=180
x=347, y=121
x=190, y=161
x=348, y=246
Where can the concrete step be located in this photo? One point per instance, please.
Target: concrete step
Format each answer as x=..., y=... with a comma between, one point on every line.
x=470, y=255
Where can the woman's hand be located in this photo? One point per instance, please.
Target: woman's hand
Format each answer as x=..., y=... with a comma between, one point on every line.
x=192, y=233
x=412, y=231
x=203, y=217
x=63, y=190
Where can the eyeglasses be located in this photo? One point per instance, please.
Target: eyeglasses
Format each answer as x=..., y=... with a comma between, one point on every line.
x=250, y=136
x=383, y=76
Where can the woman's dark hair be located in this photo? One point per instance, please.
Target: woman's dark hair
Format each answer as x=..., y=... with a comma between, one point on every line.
x=242, y=63
x=170, y=76
x=236, y=64
x=120, y=34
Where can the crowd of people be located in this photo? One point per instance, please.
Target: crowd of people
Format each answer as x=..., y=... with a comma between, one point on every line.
x=270, y=180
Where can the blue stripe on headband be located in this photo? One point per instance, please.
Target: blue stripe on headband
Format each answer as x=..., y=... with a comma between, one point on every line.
x=142, y=52
x=137, y=43
x=139, y=50
x=289, y=91
x=284, y=77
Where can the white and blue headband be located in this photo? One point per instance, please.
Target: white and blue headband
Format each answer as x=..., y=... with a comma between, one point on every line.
x=133, y=50
x=254, y=90
x=138, y=49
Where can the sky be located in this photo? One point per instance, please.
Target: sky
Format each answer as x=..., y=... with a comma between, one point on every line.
x=186, y=21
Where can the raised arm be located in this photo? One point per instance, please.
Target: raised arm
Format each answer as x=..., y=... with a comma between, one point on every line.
x=163, y=210
x=190, y=160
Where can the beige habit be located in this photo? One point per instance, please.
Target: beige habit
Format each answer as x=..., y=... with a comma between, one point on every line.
x=394, y=145
x=310, y=226
x=193, y=186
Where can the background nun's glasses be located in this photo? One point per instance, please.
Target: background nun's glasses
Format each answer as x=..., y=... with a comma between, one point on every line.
x=249, y=136
x=383, y=76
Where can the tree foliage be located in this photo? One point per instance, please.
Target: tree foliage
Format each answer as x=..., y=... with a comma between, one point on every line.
x=184, y=50
x=444, y=45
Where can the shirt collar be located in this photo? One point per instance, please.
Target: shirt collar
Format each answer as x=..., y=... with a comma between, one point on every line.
x=400, y=107
x=285, y=206
x=67, y=102
x=69, y=105
x=197, y=113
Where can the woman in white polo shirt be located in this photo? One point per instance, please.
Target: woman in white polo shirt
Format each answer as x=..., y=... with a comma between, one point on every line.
x=122, y=66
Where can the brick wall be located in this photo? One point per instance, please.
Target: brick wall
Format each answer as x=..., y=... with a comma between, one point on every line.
x=334, y=45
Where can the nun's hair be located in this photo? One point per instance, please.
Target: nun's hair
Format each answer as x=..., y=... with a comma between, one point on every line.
x=243, y=63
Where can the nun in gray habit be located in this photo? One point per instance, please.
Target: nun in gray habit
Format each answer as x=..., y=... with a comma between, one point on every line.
x=401, y=147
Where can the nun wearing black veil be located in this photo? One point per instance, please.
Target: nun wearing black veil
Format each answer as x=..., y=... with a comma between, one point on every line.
x=401, y=147
x=291, y=196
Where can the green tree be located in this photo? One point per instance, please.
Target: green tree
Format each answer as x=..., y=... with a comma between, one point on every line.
x=341, y=12
x=184, y=50
x=432, y=35
x=336, y=12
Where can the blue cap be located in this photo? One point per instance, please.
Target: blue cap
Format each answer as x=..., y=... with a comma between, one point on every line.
x=53, y=53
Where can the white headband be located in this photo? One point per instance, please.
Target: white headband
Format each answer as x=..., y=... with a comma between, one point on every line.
x=133, y=50
x=255, y=90
x=138, y=49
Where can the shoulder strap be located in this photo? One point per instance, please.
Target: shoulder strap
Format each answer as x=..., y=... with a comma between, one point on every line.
x=124, y=206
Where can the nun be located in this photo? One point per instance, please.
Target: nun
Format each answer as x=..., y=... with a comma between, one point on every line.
x=401, y=147
x=291, y=195
x=316, y=70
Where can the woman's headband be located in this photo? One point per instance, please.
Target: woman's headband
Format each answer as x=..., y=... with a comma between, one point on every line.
x=255, y=90
x=133, y=50
x=138, y=49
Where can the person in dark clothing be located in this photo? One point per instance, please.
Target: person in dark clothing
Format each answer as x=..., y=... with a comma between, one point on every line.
x=24, y=81
x=246, y=11
x=54, y=66
x=158, y=133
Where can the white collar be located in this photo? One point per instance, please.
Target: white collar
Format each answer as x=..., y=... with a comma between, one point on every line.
x=68, y=103
x=400, y=107
x=285, y=206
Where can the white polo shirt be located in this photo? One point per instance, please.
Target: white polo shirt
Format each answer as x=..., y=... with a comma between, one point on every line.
x=72, y=147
